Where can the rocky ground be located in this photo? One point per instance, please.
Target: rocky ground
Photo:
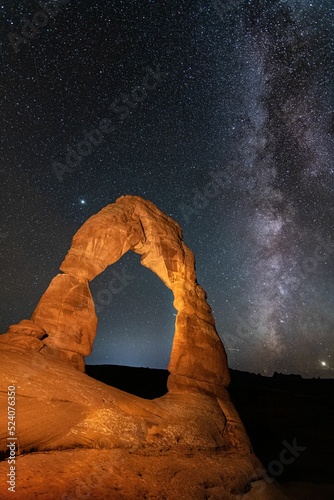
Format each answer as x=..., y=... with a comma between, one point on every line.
x=124, y=475
x=76, y=437
x=274, y=410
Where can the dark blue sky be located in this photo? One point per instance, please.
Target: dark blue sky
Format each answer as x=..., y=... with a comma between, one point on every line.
x=232, y=136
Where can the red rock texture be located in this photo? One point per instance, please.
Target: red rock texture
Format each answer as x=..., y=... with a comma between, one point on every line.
x=123, y=475
x=133, y=475
x=59, y=408
x=198, y=358
x=79, y=438
x=66, y=313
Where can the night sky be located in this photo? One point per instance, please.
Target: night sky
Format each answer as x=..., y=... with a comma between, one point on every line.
x=219, y=112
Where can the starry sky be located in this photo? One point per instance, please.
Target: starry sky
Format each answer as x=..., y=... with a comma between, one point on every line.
x=218, y=111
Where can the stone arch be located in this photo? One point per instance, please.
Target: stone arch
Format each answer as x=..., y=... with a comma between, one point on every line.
x=66, y=311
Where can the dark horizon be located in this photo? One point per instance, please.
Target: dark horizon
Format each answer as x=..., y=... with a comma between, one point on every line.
x=230, y=369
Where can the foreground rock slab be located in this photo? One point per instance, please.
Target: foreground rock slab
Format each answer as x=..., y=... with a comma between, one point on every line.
x=97, y=442
x=58, y=407
x=190, y=441
x=125, y=475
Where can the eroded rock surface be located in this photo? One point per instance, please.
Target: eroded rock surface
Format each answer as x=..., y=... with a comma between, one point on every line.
x=198, y=358
x=66, y=312
x=60, y=408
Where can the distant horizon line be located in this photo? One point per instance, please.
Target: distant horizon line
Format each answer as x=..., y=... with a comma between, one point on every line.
x=274, y=375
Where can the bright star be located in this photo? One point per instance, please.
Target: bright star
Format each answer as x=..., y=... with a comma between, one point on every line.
x=83, y=202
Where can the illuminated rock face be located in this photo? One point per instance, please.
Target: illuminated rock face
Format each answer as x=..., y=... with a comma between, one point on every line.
x=66, y=310
x=66, y=313
x=60, y=408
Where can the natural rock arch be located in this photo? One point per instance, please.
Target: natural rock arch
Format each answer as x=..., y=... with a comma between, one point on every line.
x=59, y=408
x=66, y=311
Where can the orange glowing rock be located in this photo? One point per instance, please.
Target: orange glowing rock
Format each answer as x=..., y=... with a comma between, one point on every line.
x=60, y=408
x=198, y=357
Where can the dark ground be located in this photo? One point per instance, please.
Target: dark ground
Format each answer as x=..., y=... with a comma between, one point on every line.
x=278, y=412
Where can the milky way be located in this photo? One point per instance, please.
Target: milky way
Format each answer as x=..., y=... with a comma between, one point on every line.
x=284, y=153
x=234, y=140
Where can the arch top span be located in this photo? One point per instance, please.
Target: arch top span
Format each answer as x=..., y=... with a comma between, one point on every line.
x=66, y=311
x=131, y=223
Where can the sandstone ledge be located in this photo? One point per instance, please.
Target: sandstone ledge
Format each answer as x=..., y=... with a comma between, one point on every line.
x=130, y=475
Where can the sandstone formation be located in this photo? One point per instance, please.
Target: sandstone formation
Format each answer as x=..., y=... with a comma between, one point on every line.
x=66, y=312
x=60, y=408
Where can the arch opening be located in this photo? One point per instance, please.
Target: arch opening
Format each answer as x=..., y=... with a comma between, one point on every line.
x=66, y=312
x=136, y=317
